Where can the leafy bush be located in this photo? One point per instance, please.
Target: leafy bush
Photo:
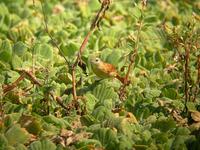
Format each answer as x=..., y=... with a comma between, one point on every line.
x=52, y=100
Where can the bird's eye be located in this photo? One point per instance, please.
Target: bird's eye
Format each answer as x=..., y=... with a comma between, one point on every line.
x=97, y=59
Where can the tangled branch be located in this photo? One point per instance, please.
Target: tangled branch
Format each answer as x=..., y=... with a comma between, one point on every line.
x=104, y=7
x=132, y=55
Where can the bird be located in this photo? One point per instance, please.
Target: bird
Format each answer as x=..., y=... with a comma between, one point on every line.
x=105, y=70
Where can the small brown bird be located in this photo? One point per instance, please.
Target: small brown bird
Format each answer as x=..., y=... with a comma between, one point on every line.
x=105, y=70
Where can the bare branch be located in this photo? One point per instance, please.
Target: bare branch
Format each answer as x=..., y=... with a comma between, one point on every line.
x=51, y=37
x=104, y=6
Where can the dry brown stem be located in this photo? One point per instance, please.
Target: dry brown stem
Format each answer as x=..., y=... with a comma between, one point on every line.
x=104, y=6
x=198, y=79
x=186, y=73
x=10, y=87
x=132, y=55
x=23, y=75
x=51, y=37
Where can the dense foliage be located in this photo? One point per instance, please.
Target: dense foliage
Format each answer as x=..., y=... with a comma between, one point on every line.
x=159, y=109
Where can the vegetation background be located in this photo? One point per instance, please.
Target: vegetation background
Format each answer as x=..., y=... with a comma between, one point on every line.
x=51, y=99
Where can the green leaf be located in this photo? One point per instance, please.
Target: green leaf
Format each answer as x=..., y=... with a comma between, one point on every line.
x=151, y=93
x=191, y=106
x=5, y=56
x=150, y=19
x=164, y=124
x=121, y=124
x=94, y=5
x=16, y=134
x=10, y=107
x=10, y=119
x=70, y=49
x=13, y=76
x=104, y=92
x=169, y=93
x=20, y=147
x=4, y=66
x=87, y=120
x=19, y=48
x=160, y=137
x=43, y=145
x=125, y=143
x=90, y=102
x=44, y=50
x=2, y=78
x=87, y=143
x=114, y=57
x=3, y=142
x=71, y=28
x=158, y=57
x=31, y=124
x=107, y=137
x=136, y=12
x=84, y=9
x=10, y=148
x=5, y=51
x=59, y=122
x=179, y=142
x=16, y=62
x=146, y=135
x=3, y=9
x=182, y=131
x=101, y=113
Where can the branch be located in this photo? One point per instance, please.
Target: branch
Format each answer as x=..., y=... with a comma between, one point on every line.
x=104, y=6
x=198, y=79
x=32, y=78
x=58, y=100
x=10, y=87
x=186, y=73
x=51, y=37
x=135, y=50
x=132, y=55
x=24, y=73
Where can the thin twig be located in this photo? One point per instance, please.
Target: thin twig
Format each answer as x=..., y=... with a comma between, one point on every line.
x=10, y=87
x=24, y=73
x=51, y=37
x=198, y=79
x=104, y=6
x=56, y=45
x=132, y=56
x=32, y=78
x=135, y=50
x=58, y=100
x=186, y=73
x=100, y=14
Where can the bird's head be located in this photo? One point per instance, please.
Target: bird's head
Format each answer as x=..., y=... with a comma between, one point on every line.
x=95, y=61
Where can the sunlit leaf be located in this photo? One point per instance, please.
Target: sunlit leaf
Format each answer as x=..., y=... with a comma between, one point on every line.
x=5, y=51
x=19, y=48
x=107, y=137
x=42, y=145
x=16, y=134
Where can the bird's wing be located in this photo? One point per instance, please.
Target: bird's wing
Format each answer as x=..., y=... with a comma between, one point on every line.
x=109, y=69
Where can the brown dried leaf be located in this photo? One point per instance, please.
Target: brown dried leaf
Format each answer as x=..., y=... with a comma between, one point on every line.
x=71, y=137
x=195, y=116
x=179, y=118
x=58, y=9
x=195, y=126
x=163, y=103
x=66, y=133
x=77, y=137
x=131, y=118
